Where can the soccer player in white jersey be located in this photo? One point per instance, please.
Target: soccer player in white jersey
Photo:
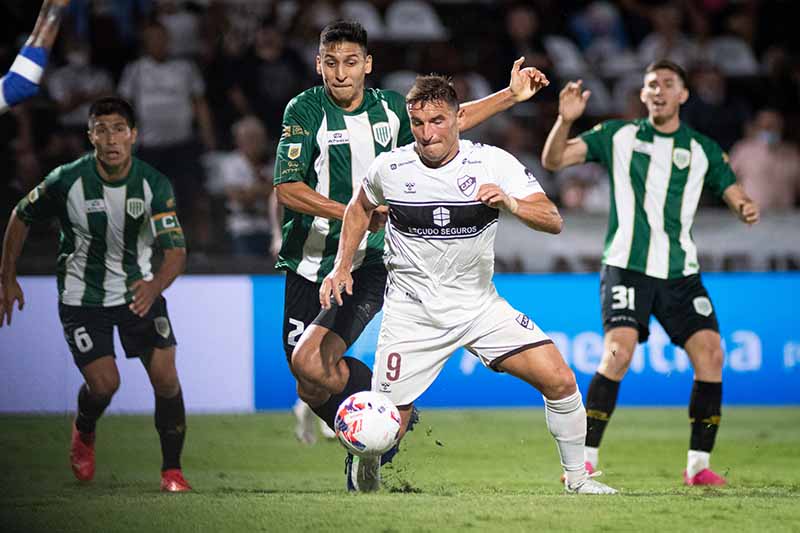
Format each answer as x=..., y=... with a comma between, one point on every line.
x=331, y=134
x=113, y=210
x=444, y=197
x=658, y=168
x=22, y=80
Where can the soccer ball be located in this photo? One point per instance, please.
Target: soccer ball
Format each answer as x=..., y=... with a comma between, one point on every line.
x=367, y=424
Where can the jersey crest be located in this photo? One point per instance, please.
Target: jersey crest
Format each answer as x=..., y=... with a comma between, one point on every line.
x=681, y=157
x=382, y=133
x=134, y=207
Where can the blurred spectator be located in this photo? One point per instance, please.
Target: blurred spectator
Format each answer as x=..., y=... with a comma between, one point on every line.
x=168, y=96
x=522, y=37
x=414, y=20
x=268, y=77
x=74, y=87
x=768, y=166
x=183, y=27
x=246, y=177
x=519, y=139
x=711, y=109
x=584, y=187
x=781, y=89
x=667, y=41
x=602, y=36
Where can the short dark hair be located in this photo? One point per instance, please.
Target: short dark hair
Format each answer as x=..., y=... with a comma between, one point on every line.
x=108, y=105
x=349, y=31
x=668, y=65
x=433, y=88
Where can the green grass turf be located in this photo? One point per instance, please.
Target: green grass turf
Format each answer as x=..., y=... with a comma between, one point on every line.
x=460, y=470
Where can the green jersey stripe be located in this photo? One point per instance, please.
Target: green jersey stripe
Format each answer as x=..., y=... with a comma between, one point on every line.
x=134, y=211
x=691, y=197
x=95, y=272
x=341, y=162
x=672, y=227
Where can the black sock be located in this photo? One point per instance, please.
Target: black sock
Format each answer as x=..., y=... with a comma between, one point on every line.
x=170, y=420
x=600, y=403
x=360, y=379
x=90, y=408
x=705, y=410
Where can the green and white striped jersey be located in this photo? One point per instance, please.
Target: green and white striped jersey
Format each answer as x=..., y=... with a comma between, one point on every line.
x=107, y=228
x=656, y=181
x=330, y=150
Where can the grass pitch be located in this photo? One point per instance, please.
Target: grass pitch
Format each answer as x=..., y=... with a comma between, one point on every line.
x=460, y=470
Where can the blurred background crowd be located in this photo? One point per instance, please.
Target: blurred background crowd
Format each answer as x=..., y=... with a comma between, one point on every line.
x=209, y=81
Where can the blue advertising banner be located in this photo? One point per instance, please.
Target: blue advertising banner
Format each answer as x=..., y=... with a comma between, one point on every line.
x=758, y=315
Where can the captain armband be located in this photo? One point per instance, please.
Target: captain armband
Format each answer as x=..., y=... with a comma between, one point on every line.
x=167, y=230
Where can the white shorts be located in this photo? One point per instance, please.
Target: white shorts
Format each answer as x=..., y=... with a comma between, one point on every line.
x=411, y=354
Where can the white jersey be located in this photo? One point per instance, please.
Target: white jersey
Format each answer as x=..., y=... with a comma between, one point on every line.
x=439, y=238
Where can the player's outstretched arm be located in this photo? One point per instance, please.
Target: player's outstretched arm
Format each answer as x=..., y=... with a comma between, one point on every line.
x=741, y=204
x=560, y=151
x=357, y=218
x=146, y=292
x=10, y=291
x=22, y=80
x=535, y=210
x=524, y=83
x=298, y=196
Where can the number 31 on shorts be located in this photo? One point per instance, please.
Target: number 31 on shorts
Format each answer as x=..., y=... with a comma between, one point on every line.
x=624, y=297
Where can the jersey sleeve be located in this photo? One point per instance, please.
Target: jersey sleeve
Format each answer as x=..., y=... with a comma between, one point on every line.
x=397, y=103
x=372, y=184
x=598, y=141
x=296, y=146
x=719, y=175
x=512, y=176
x=42, y=202
x=164, y=218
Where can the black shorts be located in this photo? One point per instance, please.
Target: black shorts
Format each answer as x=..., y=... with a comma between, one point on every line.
x=681, y=305
x=89, y=331
x=301, y=307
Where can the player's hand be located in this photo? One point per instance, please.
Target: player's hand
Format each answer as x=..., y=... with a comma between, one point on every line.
x=572, y=101
x=493, y=196
x=10, y=291
x=378, y=219
x=144, y=294
x=749, y=212
x=334, y=284
x=525, y=82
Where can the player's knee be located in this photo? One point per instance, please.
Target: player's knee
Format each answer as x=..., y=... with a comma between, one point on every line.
x=714, y=356
x=562, y=385
x=306, y=361
x=104, y=385
x=616, y=359
x=166, y=384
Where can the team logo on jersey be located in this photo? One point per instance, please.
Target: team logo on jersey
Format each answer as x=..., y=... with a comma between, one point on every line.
x=95, y=206
x=381, y=133
x=441, y=216
x=466, y=184
x=681, y=157
x=524, y=321
x=162, y=326
x=643, y=147
x=294, y=150
x=338, y=137
x=702, y=306
x=531, y=178
x=411, y=187
x=386, y=386
x=134, y=207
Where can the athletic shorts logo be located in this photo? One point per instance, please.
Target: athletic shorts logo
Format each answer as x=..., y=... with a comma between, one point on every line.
x=162, y=326
x=702, y=306
x=134, y=207
x=681, y=157
x=466, y=184
x=441, y=216
x=381, y=133
x=525, y=322
x=294, y=150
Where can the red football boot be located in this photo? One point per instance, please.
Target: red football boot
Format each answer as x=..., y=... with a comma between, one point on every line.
x=172, y=480
x=81, y=454
x=704, y=477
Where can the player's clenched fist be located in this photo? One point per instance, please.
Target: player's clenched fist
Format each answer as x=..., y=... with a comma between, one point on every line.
x=493, y=196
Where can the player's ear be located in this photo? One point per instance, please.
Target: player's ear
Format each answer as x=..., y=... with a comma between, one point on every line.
x=368, y=64
x=319, y=65
x=134, y=135
x=642, y=97
x=684, y=95
x=461, y=114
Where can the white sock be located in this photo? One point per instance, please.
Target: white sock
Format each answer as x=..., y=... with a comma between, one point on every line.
x=697, y=461
x=566, y=420
x=591, y=455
